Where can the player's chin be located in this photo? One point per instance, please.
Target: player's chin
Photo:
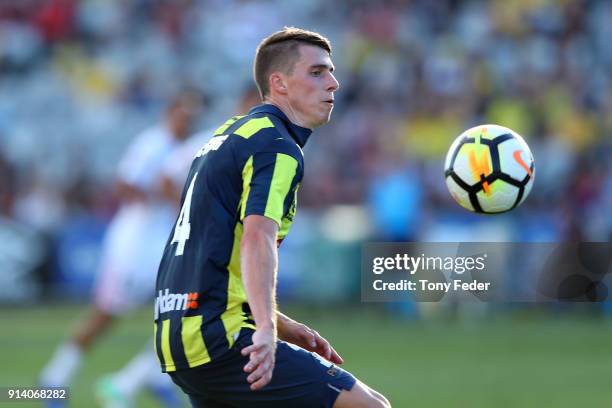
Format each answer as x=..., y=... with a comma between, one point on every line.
x=321, y=122
x=325, y=117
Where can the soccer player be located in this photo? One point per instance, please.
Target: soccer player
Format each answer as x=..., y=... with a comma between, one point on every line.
x=176, y=167
x=131, y=250
x=116, y=389
x=218, y=332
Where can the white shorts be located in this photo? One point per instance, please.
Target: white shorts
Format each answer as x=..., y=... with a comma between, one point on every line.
x=131, y=253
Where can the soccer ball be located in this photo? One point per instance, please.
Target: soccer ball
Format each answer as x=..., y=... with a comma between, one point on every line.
x=489, y=169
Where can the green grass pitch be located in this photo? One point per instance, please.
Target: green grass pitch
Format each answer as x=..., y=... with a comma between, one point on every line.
x=502, y=362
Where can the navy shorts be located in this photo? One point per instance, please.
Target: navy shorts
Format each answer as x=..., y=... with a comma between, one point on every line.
x=300, y=380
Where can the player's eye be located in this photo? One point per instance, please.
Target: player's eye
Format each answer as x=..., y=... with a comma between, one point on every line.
x=316, y=73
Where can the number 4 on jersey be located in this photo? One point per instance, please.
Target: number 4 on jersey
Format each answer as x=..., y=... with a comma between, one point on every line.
x=182, y=230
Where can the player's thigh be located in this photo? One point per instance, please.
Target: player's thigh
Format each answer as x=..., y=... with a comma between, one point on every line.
x=126, y=277
x=379, y=396
x=361, y=396
x=122, y=288
x=300, y=380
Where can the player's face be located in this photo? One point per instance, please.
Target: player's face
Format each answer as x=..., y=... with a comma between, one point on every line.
x=183, y=117
x=311, y=87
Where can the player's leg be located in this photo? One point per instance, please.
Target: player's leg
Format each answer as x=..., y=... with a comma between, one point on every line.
x=96, y=323
x=108, y=294
x=67, y=358
x=300, y=380
x=381, y=397
x=137, y=287
x=119, y=388
x=361, y=396
x=164, y=390
x=141, y=371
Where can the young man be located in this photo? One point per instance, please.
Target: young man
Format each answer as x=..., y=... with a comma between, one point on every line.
x=131, y=252
x=217, y=330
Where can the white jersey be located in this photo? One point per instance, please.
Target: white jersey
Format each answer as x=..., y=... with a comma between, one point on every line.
x=142, y=164
x=136, y=236
x=177, y=165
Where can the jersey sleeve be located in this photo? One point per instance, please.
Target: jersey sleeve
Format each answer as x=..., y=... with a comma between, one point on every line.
x=269, y=180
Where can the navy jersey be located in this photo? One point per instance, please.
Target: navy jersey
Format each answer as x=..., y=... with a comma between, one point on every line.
x=253, y=165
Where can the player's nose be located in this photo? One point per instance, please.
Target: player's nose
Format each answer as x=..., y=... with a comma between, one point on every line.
x=333, y=84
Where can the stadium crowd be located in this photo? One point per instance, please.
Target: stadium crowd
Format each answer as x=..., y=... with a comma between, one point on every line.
x=79, y=79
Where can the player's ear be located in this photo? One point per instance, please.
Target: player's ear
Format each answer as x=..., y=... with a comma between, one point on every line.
x=277, y=83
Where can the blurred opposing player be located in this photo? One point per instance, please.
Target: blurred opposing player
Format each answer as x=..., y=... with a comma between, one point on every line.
x=131, y=248
x=176, y=166
x=217, y=330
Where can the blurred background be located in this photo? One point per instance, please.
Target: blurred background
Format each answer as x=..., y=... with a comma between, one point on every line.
x=80, y=79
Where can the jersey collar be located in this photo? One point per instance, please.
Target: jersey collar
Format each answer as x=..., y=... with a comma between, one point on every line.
x=300, y=134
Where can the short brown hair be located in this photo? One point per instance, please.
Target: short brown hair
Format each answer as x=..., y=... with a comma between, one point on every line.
x=279, y=52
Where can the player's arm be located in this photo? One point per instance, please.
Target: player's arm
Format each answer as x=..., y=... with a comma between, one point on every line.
x=258, y=262
x=301, y=335
x=128, y=192
x=132, y=168
x=133, y=171
x=169, y=191
x=268, y=175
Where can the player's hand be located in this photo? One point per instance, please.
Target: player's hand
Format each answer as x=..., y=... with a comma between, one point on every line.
x=307, y=338
x=262, y=355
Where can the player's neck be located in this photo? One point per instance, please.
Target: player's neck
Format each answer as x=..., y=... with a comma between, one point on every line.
x=285, y=106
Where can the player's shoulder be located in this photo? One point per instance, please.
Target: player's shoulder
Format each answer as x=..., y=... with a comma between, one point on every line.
x=152, y=138
x=264, y=132
x=155, y=132
x=195, y=142
x=147, y=145
x=253, y=126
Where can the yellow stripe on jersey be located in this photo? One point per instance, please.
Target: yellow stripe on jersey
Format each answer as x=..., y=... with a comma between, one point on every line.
x=165, y=346
x=284, y=172
x=288, y=221
x=193, y=343
x=253, y=126
x=226, y=125
x=155, y=340
x=233, y=318
x=247, y=175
